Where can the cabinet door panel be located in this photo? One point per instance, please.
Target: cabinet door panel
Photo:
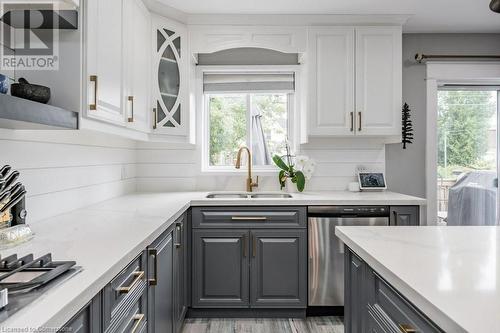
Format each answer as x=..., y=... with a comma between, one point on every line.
x=160, y=292
x=404, y=215
x=138, y=45
x=180, y=306
x=354, y=301
x=170, y=77
x=105, y=49
x=220, y=268
x=278, y=268
x=331, y=80
x=378, y=80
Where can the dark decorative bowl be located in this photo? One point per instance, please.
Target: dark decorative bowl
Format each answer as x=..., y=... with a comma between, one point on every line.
x=33, y=92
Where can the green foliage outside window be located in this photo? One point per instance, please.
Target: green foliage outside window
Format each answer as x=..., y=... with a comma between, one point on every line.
x=228, y=124
x=465, y=123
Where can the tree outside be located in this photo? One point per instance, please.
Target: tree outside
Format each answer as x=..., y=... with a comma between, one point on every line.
x=228, y=127
x=466, y=132
x=228, y=116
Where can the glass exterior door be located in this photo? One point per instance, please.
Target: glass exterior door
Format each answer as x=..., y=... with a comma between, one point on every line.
x=467, y=156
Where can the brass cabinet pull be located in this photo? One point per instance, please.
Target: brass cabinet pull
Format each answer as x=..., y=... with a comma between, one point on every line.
x=244, y=245
x=155, y=118
x=359, y=116
x=138, y=320
x=352, y=121
x=131, y=118
x=178, y=243
x=154, y=280
x=252, y=218
x=405, y=328
x=254, y=245
x=93, y=78
x=138, y=276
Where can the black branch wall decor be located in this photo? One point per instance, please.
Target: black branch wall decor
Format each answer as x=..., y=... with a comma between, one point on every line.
x=407, y=126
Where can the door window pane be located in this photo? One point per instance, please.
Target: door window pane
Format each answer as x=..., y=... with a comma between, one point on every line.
x=467, y=157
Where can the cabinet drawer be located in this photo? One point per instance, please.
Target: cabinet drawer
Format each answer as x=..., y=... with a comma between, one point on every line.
x=399, y=312
x=124, y=289
x=80, y=323
x=249, y=217
x=133, y=318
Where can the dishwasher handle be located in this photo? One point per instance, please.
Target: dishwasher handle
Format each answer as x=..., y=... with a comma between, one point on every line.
x=348, y=211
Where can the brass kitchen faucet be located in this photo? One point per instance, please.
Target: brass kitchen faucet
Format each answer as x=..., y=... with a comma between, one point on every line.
x=250, y=183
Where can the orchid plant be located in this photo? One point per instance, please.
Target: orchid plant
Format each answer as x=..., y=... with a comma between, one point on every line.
x=296, y=168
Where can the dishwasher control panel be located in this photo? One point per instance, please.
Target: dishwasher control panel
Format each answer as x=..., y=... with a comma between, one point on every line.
x=334, y=211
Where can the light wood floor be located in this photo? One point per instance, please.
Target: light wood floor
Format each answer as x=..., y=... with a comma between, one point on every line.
x=309, y=325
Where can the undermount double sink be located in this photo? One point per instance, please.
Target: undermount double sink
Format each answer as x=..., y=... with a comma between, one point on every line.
x=248, y=195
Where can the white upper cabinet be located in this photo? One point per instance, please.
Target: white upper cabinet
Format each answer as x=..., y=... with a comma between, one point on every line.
x=378, y=80
x=355, y=81
x=170, y=78
x=138, y=69
x=118, y=68
x=105, y=61
x=331, y=81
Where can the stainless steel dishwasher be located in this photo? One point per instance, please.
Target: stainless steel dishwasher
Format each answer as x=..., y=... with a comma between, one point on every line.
x=326, y=251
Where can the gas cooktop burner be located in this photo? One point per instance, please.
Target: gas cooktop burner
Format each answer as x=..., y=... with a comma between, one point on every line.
x=24, y=279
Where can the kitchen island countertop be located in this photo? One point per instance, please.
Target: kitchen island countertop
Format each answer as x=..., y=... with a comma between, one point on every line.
x=451, y=274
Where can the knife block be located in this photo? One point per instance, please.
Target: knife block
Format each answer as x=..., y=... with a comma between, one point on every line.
x=19, y=213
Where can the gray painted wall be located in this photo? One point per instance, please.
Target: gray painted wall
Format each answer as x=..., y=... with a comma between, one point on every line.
x=405, y=169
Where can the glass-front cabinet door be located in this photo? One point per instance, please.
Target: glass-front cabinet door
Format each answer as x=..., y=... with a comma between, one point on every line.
x=169, y=77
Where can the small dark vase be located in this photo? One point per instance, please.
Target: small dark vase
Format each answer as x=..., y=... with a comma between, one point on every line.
x=33, y=92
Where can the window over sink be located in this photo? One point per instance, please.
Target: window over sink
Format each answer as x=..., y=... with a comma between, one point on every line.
x=246, y=108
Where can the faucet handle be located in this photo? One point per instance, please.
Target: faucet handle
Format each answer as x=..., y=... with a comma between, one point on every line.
x=256, y=184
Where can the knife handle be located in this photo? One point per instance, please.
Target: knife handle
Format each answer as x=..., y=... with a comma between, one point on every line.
x=13, y=201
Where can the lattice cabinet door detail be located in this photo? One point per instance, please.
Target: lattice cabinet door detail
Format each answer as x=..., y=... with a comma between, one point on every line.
x=169, y=85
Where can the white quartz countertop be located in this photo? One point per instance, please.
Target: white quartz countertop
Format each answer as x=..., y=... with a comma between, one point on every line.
x=452, y=274
x=318, y=199
x=105, y=237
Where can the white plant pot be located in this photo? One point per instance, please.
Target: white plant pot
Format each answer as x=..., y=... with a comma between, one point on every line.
x=290, y=187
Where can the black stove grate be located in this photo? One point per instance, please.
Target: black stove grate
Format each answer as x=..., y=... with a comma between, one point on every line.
x=13, y=271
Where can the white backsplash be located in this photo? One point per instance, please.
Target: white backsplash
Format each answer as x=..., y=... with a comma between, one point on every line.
x=163, y=167
x=67, y=170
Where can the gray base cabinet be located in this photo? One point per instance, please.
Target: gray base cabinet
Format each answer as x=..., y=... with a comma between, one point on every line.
x=160, y=291
x=354, y=299
x=220, y=268
x=180, y=274
x=278, y=268
x=167, y=280
x=372, y=305
x=149, y=295
x=249, y=258
x=88, y=320
x=405, y=215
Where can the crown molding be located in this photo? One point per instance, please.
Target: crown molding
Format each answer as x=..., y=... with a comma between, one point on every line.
x=297, y=20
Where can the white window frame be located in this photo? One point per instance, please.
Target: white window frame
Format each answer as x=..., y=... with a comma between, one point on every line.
x=203, y=129
x=440, y=73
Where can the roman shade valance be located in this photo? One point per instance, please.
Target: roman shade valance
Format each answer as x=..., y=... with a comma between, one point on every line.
x=248, y=82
